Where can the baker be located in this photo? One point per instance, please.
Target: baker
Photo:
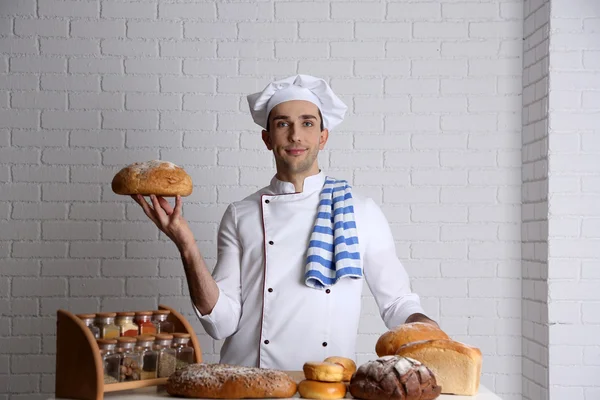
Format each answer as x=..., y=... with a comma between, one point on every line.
x=294, y=256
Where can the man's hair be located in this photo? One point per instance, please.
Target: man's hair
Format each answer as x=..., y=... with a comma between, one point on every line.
x=320, y=116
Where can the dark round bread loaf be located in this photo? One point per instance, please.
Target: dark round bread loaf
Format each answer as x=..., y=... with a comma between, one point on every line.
x=394, y=378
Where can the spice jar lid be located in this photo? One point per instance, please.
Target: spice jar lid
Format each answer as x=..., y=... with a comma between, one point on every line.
x=126, y=339
x=161, y=312
x=125, y=314
x=143, y=313
x=145, y=335
x=178, y=335
x=106, y=341
x=144, y=338
x=106, y=315
x=163, y=336
x=85, y=316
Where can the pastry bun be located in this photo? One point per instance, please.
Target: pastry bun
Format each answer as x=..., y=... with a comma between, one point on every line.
x=161, y=178
x=323, y=371
x=309, y=389
x=348, y=365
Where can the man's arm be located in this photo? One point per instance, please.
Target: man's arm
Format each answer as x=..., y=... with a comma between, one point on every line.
x=216, y=300
x=203, y=288
x=384, y=272
x=204, y=291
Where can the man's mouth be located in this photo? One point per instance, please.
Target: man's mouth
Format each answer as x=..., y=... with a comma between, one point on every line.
x=295, y=152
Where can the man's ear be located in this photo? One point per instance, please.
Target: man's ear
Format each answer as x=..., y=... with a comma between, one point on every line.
x=267, y=139
x=323, y=138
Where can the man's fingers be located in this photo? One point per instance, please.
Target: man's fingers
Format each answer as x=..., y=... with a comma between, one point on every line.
x=146, y=207
x=159, y=212
x=165, y=205
x=178, y=206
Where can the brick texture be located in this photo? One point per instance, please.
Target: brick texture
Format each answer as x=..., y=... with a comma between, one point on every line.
x=573, y=148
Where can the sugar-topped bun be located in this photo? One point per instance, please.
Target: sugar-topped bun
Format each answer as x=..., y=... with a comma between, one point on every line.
x=161, y=178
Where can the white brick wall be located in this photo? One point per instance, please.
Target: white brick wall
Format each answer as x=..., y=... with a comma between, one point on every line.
x=535, y=342
x=433, y=135
x=573, y=166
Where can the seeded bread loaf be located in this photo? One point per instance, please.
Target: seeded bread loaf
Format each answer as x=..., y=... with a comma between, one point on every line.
x=223, y=381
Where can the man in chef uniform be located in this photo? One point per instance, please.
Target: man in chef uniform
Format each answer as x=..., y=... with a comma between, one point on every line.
x=292, y=257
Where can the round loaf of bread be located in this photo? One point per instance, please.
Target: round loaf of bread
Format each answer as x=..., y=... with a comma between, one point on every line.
x=223, y=381
x=389, y=343
x=321, y=390
x=161, y=178
x=348, y=365
x=394, y=378
x=323, y=371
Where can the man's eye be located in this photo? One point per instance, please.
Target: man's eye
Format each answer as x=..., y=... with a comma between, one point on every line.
x=281, y=124
x=308, y=123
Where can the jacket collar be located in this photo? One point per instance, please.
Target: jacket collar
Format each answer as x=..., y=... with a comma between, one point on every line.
x=312, y=184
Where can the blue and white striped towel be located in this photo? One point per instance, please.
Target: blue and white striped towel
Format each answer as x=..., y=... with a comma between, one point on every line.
x=333, y=251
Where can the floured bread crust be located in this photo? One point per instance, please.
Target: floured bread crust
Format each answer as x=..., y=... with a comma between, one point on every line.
x=223, y=381
x=161, y=178
x=394, y=378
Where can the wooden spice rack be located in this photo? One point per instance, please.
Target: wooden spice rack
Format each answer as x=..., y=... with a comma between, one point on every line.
x=79, y=369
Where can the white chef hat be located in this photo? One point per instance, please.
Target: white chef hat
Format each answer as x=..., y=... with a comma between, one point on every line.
x=298, y=87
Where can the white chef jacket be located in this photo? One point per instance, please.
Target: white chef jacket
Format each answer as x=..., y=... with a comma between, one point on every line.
x=267, y=314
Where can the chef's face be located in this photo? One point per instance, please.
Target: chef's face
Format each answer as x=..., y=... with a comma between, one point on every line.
x=295, y=136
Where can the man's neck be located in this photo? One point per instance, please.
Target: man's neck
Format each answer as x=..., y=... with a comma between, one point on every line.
x=297, y=179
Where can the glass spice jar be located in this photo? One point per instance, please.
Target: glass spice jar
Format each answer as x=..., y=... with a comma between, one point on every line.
x=159, y=317
x=184, y=353
x=127, y=327
x=144, y=320
x=131, y=361
x=167, y=356
x=106, y=323
x=111, y=360
x=149, y=357
x=88, y=320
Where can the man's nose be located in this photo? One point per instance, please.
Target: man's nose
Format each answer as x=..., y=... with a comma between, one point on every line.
x=294, y=133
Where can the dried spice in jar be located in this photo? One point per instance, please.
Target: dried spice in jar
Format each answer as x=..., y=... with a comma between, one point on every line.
x=184, y=353
x=131, y=361
x=149, y=356
x=167, y=358
x=159, y=317
x=144, y=320
x=106, y=323
x=88, y=320
x=127, y=327
x=111, y=360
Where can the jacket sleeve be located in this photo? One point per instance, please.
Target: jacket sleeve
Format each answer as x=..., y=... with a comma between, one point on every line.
x=383, y=271
x=224, y=318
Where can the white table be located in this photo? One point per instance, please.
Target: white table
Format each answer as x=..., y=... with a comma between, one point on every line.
x=150, y=393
